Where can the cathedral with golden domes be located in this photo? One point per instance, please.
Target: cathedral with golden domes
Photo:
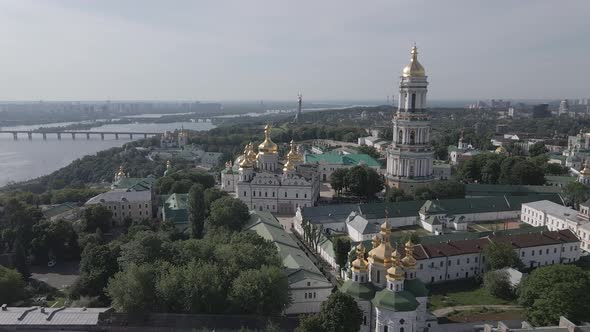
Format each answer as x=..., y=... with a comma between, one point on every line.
x=384, y=284
x=266, y=183
x=410, y=157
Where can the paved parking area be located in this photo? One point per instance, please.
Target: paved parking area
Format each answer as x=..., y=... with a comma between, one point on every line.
x=60, y=276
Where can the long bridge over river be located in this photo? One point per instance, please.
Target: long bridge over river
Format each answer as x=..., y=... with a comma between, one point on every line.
x=59, y=134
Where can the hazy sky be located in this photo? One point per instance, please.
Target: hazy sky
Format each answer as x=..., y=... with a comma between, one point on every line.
x=272, y=49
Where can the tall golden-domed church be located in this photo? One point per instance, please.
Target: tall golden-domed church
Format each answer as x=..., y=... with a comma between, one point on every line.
x=265, y=182
x=386, y=288
x=410, y=157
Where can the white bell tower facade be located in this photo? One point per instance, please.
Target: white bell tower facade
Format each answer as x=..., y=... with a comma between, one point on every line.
x=410, y=157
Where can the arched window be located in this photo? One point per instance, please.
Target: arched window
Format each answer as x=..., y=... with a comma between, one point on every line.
x=412, y=137
x=413, y=101
x=400, y=136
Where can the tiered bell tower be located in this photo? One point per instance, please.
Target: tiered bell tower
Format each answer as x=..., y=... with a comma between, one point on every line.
x=410, y=158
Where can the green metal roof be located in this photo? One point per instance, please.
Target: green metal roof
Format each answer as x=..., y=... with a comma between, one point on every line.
x=395, y=301
x=59, y=209
x=363, y=291
x=297, y=265
x=473, y=189
x=352, y=159
x=484, y=204
x=175, y=209
x=135, y=184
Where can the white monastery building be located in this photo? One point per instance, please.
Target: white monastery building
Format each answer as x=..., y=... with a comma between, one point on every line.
x=558, y=217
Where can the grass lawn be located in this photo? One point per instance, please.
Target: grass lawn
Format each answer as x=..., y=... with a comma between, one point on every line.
x=484, y=314
x=401, y=231
x=463, y=292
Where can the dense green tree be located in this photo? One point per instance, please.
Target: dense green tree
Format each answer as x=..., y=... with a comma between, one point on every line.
x=228, y=212
x=490, y=173
x=12, y=286
x=211, y=195
x=196, y=210
x=310, y=323
x=98, y=264
x=537, y=149
x=553, y=291
x=500, y=255
x=371, y=151
x=97, y=216
x=497, y=283
x=554, y=169
x=145, y=247
x=393, y=195
x=364, y=181
x=342, y=247
x=575, y=193
x=260, y=291
x=441, y=190
x=56, y=239
x=20, y=261
x=527, y=173
x=338, y=180
x=169, y=289
x=339, y=313
x=207, y=287
x=133, y=289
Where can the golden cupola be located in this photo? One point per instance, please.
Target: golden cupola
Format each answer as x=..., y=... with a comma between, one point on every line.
x=267, y=146
x=382, y=254
x=585, y=171
x=360, y=264
x=395, y=272
x=409, y=260
x=121, y=172
x=245, y=161
x=250, y=153
x=414, y=68
x=293, y=158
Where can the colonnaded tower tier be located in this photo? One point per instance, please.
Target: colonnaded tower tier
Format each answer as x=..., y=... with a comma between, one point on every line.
x=410, y=157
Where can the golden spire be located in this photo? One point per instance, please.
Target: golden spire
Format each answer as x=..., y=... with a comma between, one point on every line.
x=414, y=68
x=409, y=260
x=360, y=264
x=267, y=146
x=168, y=164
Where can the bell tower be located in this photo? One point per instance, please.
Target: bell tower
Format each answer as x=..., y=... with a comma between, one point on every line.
x=410, y=157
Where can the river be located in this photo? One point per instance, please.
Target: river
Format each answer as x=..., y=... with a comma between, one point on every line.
x=27, y=159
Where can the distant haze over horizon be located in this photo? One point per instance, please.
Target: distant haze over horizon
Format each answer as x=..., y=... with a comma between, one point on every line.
x=332, y=50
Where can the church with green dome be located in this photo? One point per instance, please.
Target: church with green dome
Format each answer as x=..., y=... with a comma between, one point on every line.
x=386, y=288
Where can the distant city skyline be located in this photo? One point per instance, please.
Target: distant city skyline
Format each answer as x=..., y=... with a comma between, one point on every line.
x=271, y=50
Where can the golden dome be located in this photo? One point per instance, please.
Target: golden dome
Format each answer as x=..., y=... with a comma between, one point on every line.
x=382, y=253
x=360, y=264
x=500, y=150
x=121, y=172
x=267, y=146
x=414, y=68
x=250, y=152
x=293, y=155
x=409, y=260
x=395, y=272
x=245, y=161
x=585, y=171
